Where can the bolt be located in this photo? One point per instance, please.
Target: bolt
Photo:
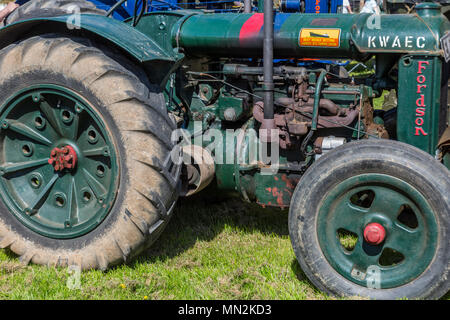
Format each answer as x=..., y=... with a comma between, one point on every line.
x=78, y=109
x=230, y=114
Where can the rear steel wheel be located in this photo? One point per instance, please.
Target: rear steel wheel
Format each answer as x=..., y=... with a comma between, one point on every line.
x=371, y=219
x=60, y=172
x=86, y=175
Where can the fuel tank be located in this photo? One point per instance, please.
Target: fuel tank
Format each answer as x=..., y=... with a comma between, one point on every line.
x=311, y=35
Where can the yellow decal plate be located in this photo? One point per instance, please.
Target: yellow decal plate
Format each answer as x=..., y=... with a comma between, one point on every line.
x=314, y=37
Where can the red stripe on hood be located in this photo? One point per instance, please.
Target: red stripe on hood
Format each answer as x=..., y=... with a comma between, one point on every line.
x=252, y=26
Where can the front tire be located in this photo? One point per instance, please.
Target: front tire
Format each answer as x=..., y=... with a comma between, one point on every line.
x=394, y=186
x=118, y=195
x=51, y=8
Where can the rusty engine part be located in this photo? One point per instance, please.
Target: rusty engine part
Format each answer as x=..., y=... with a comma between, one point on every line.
x=372, y=129
x=295, y=121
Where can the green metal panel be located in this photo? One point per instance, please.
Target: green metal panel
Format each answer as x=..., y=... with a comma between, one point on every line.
x=419, y=101
x=158, y=26
x=356, y=35
x=133, y=41
x=274, y=190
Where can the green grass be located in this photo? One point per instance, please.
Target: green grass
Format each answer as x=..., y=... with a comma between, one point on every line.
x=347, y=239
x=378, y=102
x=360, y=71
x=228, y=250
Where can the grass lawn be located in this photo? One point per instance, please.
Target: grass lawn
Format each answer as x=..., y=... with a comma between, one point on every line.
x=227, y=250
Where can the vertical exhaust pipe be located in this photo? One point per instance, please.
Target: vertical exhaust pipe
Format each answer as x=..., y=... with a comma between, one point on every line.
x=269, y=122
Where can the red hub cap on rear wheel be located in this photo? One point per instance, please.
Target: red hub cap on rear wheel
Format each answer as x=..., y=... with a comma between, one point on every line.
x=374, y=233
x=61, y=158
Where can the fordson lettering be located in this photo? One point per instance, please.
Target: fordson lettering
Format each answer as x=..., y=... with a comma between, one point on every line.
x=420, y=102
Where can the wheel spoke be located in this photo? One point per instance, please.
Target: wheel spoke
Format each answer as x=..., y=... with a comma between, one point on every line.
x=73, y=133
x=103, y=151
x=404, y=240
x=348, y=217
x=70, y=122
x=38, y=201
x=72, y=204
x=25, y=131
x=49, y=113
x=14, y=167
x=387, y=201
x=71, y=130
x=96, y=186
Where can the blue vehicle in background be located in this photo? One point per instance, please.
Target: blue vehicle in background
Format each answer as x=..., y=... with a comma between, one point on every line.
x=128, y=8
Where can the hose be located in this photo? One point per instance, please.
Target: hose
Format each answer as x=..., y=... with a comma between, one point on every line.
x=315, y=114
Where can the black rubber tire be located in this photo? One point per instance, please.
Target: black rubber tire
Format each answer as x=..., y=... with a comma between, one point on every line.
x=135, y=113
x=51, y=8
x=394, y=158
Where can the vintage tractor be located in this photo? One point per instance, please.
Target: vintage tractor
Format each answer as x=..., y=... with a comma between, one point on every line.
x=105, y=123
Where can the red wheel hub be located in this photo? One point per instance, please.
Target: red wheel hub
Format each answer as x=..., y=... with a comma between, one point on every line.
x=374, y=233
x=63, y=158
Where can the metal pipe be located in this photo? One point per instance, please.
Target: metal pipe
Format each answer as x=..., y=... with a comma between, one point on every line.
x=268, y=59
x=246, y=70
x=114, y=7
x=315, y=114
x=326, y=104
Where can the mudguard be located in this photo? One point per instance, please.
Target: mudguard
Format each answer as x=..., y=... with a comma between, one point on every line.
x=157, y=61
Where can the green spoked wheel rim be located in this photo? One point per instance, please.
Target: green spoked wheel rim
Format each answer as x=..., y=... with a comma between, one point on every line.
x=56, y=201
x=407, y=246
